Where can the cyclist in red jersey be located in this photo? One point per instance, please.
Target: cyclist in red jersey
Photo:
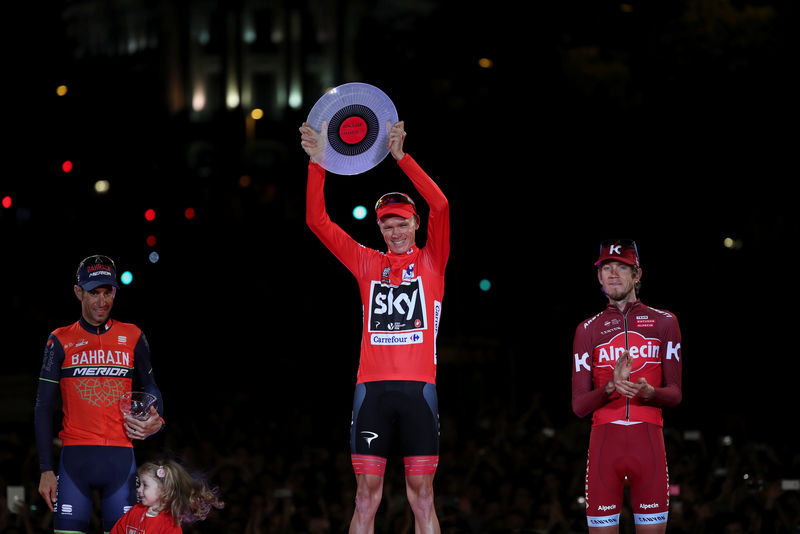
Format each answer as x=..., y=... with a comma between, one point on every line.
x=91, y=363
x=627, y=366
x=401, y=292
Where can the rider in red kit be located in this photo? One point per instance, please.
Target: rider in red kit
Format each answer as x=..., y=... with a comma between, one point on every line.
x=401, y=293
x=627, y=366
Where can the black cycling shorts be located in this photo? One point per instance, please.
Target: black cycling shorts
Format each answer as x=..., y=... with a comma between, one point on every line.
x=85, y=468
x=395, y=416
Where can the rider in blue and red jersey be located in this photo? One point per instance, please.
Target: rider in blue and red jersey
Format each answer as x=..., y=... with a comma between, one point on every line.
x=627, y=366
x=401, y=293
x=91, y=363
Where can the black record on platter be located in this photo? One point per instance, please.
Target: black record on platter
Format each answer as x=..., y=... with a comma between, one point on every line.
x=353, y=130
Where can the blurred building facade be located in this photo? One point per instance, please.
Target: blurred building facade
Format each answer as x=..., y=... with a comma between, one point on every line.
x=273, y=55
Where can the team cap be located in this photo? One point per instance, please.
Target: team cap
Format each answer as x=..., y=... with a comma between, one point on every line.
x=622, y=250
x=96, y=271
x=398, y=204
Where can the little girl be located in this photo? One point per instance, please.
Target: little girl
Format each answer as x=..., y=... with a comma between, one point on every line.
x=168, y=497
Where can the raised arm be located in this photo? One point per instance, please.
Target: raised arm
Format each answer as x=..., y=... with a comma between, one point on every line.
x=438, y=238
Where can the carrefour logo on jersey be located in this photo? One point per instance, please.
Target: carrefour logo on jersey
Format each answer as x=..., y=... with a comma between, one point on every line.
x=396, y=339
x=397, y=310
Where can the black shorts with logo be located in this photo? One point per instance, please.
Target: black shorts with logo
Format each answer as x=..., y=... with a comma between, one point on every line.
x=395, y=416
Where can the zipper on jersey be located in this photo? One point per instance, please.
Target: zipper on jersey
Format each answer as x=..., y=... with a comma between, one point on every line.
x=625, y=325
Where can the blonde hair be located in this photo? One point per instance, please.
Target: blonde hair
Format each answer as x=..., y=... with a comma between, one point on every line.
x=188, y=498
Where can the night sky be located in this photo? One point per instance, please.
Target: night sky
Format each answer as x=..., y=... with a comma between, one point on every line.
x=667, y=124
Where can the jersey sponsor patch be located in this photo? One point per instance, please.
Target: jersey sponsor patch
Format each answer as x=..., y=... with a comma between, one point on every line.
x=99, y=357
x=99, y=363
x=643, y=350
x=397, y=313
x=645, y=321
x=122, y=372
x=396, y=339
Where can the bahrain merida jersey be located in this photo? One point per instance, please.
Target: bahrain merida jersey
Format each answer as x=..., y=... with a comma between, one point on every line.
x=92, y=366
x=653, y=340
x=401, y=294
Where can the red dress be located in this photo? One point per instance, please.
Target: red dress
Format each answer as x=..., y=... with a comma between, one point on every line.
x=136, y=521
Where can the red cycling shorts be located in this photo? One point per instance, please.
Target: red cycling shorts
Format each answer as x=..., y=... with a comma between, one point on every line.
x=623, y=455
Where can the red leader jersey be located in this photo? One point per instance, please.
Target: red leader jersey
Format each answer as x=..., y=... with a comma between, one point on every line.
x=653, y=340
x=401, y=294
x=136, y=521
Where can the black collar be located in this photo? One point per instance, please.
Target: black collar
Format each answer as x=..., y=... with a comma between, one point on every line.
x=95, y=329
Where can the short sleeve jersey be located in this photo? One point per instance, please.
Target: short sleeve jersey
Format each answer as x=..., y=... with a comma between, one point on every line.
x=653, y=340
x=401, y=294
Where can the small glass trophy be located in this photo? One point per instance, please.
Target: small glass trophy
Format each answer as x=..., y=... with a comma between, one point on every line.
x=137, y=404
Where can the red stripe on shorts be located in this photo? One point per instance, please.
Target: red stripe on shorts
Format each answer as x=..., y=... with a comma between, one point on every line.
x=421, y=465
x=368, y=465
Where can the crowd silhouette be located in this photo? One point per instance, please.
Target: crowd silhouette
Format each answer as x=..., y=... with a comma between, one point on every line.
x=501, y=471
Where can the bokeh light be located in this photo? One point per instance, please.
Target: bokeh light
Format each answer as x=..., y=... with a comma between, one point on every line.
x=102, y=186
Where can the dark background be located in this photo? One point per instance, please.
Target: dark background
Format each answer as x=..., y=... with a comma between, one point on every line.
x=670, y=123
